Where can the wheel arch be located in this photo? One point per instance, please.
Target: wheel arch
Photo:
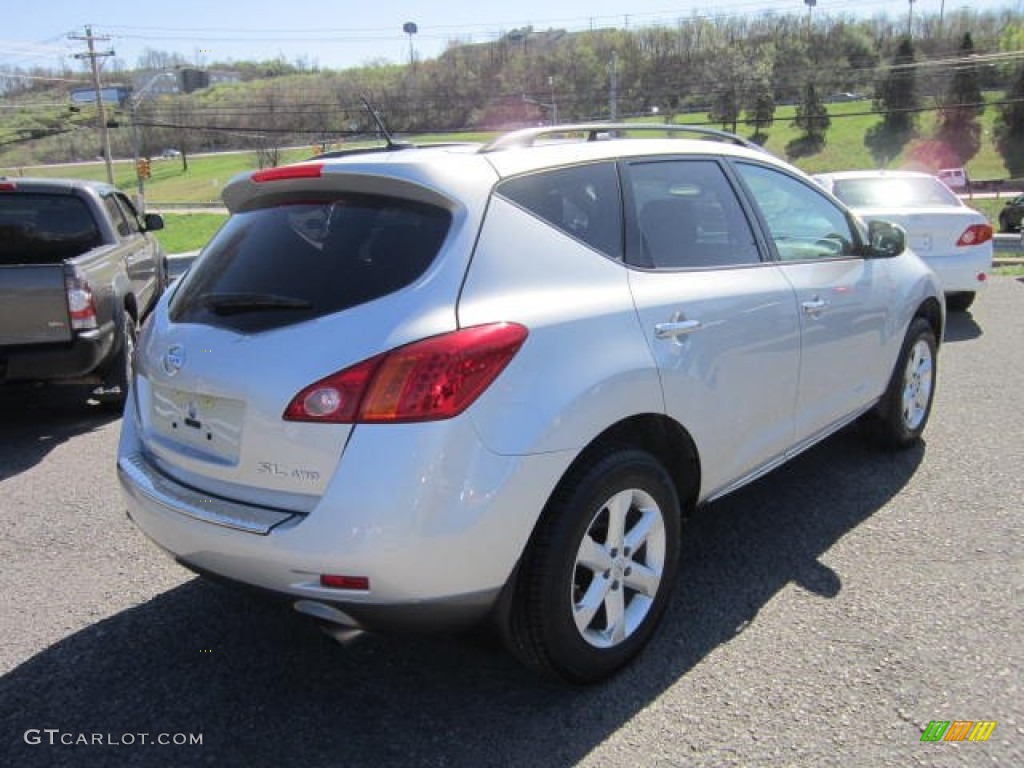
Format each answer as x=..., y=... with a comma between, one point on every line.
x=931, y=310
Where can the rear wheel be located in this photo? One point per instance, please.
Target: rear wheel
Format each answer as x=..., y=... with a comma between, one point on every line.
x=114, y=390
x=596, y=579
x=959, y=302
x=904, y=409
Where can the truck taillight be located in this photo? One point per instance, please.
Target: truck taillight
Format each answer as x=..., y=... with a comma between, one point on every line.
x=81, y=303
x=436, y=378
x=976, y=234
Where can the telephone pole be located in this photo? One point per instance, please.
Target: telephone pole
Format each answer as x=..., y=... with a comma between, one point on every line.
x=93, y=55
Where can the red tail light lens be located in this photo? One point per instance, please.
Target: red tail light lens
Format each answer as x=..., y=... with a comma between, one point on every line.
x=286, y=172
x=81, y=303
x=976, y=234
x=429, y=380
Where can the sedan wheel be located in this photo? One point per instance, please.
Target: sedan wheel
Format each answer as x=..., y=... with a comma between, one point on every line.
x=596, y=579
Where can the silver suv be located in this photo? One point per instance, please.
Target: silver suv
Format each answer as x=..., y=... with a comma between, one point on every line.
x=427, y=387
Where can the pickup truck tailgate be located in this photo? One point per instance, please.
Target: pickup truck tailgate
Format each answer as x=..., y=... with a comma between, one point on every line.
x=33, y=305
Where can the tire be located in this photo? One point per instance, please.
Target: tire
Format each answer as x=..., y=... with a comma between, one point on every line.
x=588, y=599
x=907, y=403
x=1004, y=224
x=114, y=389
x=959, y=302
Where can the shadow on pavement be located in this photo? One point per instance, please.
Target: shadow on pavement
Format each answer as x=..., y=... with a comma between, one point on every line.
x=961, y=326
x=263, y=687
x=34, y=420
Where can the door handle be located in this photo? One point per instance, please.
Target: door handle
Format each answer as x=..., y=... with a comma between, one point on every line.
x=676, y=329
x=814, y=307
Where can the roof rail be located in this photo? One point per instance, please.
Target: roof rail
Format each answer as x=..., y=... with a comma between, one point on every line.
x=604, y=131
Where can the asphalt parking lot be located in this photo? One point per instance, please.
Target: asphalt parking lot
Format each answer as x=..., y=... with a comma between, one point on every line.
x=824, y=616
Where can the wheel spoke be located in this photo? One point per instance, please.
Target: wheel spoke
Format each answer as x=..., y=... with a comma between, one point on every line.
x=615, y=611
x=593, y=556
x=618, y=507
x=649, y=522
x=585, y=610
x=643, y=579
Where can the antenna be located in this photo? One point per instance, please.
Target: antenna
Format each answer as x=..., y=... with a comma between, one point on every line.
x=391, y=142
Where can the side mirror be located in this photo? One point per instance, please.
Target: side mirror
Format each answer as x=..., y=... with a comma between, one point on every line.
x=153, y=222
x=885, y=239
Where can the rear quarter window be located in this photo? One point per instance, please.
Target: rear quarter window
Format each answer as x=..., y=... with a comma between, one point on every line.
x=44, y=228
x=296, y=259
x=582, y=201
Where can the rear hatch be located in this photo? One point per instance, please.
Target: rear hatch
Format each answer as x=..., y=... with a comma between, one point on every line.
x=38, y=231
x=298, y=284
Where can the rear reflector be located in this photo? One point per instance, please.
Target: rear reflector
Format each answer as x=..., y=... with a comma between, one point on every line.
x=437, y=378
x=976, y=234
x=337, y=581
x=286, y=172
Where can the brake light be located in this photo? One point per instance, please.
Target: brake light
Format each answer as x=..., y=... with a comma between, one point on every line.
x=7, y=186
x=286, y=172
x=437, y=378
x=976, y=234
x=81, y=303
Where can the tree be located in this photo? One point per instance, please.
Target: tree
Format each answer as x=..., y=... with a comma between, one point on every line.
x=812, y=116
x=1009, y=127
x=963, y=104
x=896, y=98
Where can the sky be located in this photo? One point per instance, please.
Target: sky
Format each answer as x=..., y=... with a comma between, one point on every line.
x=343, y=34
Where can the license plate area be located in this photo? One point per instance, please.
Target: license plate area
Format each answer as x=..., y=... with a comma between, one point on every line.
x=211, y=426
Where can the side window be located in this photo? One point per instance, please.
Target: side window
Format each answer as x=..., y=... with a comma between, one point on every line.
x=117, y=216
x=582, y=201
x=688, y=217
x=130, y=214
x=803, y=224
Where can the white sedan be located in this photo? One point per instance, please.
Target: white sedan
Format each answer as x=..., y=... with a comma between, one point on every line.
x=955, y=240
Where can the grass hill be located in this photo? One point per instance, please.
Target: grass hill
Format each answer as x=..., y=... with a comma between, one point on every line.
x=844, y=148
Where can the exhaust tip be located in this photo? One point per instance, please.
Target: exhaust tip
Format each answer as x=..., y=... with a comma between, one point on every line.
x=333, y=622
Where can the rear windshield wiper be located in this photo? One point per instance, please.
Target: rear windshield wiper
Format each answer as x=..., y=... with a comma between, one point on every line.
x=238, y=303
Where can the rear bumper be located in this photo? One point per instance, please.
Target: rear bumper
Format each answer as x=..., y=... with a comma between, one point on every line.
x=435, y=537
x=77, y=360
x=962, y=271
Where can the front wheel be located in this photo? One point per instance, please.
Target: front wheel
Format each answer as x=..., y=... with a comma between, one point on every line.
x=597, y=577
x=904, y=409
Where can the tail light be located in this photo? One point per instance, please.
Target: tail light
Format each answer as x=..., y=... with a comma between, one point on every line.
x=429, y=380
x=81, y=303
x=976, y=234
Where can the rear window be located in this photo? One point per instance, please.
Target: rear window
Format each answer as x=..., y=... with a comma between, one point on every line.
x=294, y=260
x=895, y=192
x=44, y=229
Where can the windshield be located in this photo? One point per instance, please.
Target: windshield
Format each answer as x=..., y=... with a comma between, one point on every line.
x=894, y=192
x=294, y=260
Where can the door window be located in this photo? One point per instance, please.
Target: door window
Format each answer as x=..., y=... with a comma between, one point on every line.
x=803, y=224
x=688, y=217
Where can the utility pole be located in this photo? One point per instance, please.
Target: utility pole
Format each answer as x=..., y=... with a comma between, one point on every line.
x=92, y=55
x=613, y=96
